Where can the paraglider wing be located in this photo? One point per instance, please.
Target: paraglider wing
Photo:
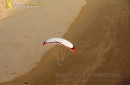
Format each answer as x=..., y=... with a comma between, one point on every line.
x=60, y=41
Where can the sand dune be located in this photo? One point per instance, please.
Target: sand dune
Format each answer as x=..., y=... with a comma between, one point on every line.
x=3, y=9
x=100, y=35
x=23, y=30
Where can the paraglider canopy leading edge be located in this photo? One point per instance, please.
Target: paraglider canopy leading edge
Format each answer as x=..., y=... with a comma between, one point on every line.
x=60, y=41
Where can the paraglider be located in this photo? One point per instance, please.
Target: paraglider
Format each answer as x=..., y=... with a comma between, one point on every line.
x=63, y=44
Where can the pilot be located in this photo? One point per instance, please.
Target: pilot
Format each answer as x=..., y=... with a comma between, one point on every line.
x=60, y=63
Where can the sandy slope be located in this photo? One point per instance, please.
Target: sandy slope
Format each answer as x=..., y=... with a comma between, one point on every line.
x=24, y=30
x=3, y=9
x=5, y=12
x=100, y=35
